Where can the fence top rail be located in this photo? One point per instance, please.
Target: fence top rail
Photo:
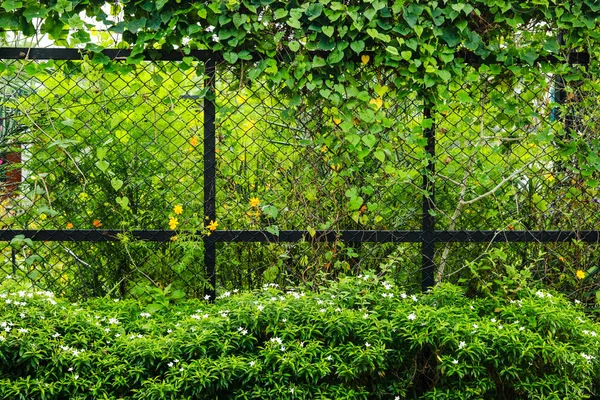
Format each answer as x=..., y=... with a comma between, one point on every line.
x=51, y=53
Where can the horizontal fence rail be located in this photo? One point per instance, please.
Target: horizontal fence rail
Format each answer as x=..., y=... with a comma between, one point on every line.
x=216, y=170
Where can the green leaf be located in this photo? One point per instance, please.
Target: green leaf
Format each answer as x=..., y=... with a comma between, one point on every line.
x=328, y=30
x=280, y=13
x=102, y=165
x=101, y=152
x=392, y=50
x=444, y=74
x=270, y=211
x=273, y=229
x=230, y=57
x=369, y=140
x=10, y=5
x=335, y=56
x=116, y=183
x=357, y=46
x=294, y=46
x=314, y=11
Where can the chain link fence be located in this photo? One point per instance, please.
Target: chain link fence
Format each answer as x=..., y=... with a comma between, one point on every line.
x=184, y=174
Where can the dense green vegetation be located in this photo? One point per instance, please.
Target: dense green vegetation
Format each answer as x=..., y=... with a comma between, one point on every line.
x=359, y=338
x=321, y=116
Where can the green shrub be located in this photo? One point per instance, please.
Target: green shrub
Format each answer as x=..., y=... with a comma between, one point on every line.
x=359, y=338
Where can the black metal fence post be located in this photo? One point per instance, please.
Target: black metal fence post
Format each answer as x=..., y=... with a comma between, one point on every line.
x=428, y=221
x=210, y=185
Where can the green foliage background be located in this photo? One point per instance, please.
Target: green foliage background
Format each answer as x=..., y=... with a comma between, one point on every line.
x=320, y=116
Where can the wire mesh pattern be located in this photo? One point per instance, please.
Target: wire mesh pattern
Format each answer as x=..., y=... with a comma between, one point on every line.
x=187, y=174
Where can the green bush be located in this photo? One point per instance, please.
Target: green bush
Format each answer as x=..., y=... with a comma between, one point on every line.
x=358, y=338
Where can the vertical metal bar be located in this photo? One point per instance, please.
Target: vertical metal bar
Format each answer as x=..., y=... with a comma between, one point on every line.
x=428, y=221
x=14, y=260
x=210, y=180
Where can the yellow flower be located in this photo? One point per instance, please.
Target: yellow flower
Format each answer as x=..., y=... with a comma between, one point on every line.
x=549, y=177
x=97, y=223
x=212, y=226
x=173, y=238
x=178, y=209
x=378, y=102
x=365, y=59
x=43, y=217
x=194, y=141
x=69, y=225
x=173, y=222
x=254, y=202
x=580, y=274
x=337, y=121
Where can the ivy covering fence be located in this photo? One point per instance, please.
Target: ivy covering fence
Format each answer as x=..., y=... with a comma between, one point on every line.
x=187, y=146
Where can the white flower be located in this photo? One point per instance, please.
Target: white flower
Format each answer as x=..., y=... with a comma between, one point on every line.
x=367, y=344
x=70, y=369
x=113, y=321
x=252, y=363
x=116, y=300
x=475, y=326
x=170, y=364
x=276, y=340
x=587, y=356
x=207, y=297
x=539, y=294
x=414, y=298
x=176, y=360
x=107, y=330
x=210, y=28
x=284, y=320
x=260, y=307
x=23, y=330
x=145, y=315
x=322, y=310
x=521, y=328
x=282, y=348
x=412, y=316
x=493, y=320
x=236, y=290
x=169, y=330
x=117, y=334
x=461, y=345
x=329, y=358
x=365, y=316
x=55, y=335
x=76, y=377
x=215, y=38
x=455, y=361
x=2, y=338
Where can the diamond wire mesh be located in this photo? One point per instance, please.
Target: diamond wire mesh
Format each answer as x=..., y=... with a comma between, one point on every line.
x=283, y=164
x=500, y=148
x=94, y=139
x=497, y=151
x=105, y=150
